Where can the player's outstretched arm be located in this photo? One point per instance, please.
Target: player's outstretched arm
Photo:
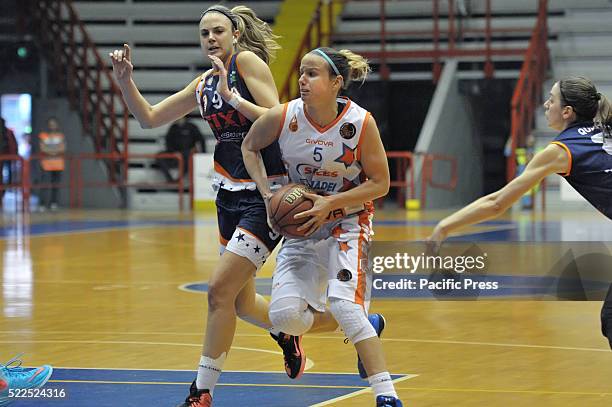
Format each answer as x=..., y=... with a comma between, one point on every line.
x=168, y=110
x=553, y=159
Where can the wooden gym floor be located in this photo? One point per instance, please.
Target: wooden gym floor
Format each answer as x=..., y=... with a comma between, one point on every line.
x=114, y=301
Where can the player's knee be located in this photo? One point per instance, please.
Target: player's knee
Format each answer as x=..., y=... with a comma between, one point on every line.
x=352, y=319
x=291, y=316
x=219, y=296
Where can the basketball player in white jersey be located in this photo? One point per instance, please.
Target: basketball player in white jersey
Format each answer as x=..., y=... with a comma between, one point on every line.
x=332, y=145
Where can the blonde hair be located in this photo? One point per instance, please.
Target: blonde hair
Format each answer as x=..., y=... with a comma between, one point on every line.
x=255, y=34
x=352, y=67
x=588, y=104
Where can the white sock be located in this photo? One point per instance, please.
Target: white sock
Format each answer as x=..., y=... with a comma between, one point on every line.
x=382, y=385
x=209, y=371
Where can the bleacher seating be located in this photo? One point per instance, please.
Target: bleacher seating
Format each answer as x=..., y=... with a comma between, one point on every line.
x=409, y=26
x=164, y=39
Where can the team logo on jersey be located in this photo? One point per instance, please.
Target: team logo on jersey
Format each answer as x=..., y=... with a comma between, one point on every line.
x=209, y=80
x=293, y=124
x=344, y=275
x=348, y=131
x=308, y=170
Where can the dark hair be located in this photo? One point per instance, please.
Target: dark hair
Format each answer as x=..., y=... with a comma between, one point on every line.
x=255, y=34
x=350, y=66
x=588, y=104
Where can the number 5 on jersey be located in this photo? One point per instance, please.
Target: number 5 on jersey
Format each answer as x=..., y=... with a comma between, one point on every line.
x=316, y=155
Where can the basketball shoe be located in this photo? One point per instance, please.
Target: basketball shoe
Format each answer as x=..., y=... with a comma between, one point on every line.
x=378, y=322
x=295, y=359
x=197, y=398
x=13, y=376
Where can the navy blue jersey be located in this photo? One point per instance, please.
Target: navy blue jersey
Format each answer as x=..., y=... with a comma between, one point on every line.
x=590, y=171
x=230, y=127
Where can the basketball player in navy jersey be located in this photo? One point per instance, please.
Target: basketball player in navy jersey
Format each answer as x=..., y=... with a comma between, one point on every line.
x=236, y=91
x=324, y=139
x=581, y=153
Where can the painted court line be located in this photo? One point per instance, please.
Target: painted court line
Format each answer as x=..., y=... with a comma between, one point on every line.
x=386, y=339
x=303, y=386
x=359, y=392
x=467, y=390
x=309, y=362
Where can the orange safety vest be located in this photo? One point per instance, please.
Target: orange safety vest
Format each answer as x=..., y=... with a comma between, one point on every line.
x=52, y=140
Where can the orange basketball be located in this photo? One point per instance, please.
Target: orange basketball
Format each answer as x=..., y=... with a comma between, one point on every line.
x=284, y=204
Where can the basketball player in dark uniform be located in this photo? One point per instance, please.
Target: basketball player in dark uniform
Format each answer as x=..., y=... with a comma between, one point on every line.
x=231, y=96
x=581, y=153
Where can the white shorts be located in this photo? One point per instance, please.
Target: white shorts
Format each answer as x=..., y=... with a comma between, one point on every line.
x=331, y=263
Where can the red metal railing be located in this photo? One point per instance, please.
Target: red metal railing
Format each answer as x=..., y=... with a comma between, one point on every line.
x=72, y=176
x=313, y=37
x=528, y=90
x=80, y=68
x=452, y=32
x=123, y=182
x=404, y=174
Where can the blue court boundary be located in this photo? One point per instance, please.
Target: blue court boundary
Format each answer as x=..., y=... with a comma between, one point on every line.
x=157, y=388
x=509, y=231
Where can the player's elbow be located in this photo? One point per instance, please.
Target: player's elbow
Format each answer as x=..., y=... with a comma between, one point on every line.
x=494, y=206
x=385, y=185
x=382, y=186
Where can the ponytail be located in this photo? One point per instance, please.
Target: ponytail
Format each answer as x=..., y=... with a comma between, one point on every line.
x=358, y=66
x=603, y=119
x=352, y=67
x=255, y=35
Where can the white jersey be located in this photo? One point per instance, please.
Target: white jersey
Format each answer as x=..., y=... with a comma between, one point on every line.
x=326, y=159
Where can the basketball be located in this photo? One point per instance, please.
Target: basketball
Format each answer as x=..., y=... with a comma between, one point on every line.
x=286, y=203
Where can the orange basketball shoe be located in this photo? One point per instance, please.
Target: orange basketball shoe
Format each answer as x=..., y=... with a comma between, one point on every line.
x=197, y=398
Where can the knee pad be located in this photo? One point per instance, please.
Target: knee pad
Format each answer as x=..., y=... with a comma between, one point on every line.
x=291, y=315
x=352, y=319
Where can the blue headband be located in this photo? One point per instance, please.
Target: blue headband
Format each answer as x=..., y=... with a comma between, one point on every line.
x=328, y=59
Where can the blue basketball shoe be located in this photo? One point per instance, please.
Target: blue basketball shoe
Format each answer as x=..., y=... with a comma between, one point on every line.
x=378, y=322
x=13, y=376
x=386, y=401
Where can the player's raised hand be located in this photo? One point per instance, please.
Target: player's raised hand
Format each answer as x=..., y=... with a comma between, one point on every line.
x=219, y=68
x=122, y=63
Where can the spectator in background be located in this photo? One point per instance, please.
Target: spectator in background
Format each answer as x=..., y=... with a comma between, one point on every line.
x=52, y=147
x=182, y=137
x=8, y=146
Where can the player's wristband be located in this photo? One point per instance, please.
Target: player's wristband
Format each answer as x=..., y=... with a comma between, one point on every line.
x=235, y=101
